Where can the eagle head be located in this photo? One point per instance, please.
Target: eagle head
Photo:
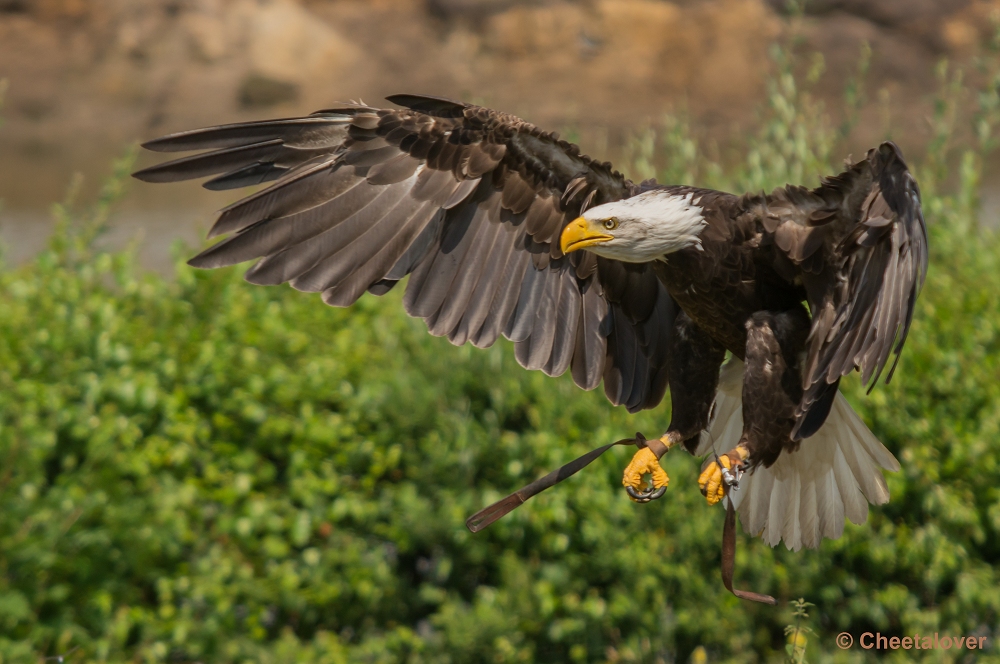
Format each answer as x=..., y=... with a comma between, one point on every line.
x=643, y=228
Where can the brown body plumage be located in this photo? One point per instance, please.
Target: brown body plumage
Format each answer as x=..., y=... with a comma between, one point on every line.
x=471, y=203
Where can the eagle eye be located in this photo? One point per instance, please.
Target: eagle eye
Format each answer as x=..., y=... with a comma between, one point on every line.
x=611, y=224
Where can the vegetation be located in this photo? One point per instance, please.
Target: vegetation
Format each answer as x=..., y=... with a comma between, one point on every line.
x=796, y=633
x=199, y=470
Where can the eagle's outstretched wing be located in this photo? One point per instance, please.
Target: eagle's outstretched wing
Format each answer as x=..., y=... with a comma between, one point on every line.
x=859, y=245
x=467, y=201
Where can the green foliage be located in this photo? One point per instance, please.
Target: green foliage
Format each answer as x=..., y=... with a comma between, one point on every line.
x=200, y=470
x=796, y=632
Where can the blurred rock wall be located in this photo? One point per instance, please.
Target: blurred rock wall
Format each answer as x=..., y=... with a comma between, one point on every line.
x=88, y=76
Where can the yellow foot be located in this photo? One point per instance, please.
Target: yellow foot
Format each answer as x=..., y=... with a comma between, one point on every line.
x=714, y=478
x=644, y=462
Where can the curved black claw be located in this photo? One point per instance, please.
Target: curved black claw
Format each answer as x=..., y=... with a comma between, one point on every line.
x=645, y=495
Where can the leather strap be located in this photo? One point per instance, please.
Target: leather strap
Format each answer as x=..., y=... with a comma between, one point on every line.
x=508, y=504
x=657, y=447
x=729, y=558
x=505, y=506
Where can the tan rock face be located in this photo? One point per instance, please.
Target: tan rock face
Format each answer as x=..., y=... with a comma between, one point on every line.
x=85, y=78
x=60, y=9
x=209, y=36
x=615, y=56
x=287, y=42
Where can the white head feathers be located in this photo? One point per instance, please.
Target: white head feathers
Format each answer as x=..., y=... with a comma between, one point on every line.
x=650, y=226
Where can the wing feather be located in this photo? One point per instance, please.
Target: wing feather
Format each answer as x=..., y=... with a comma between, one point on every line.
x=469, y=273
x=431, y=285
x=489, y=282
x=505, y=300
x=589, y=352
x=357, y=239
x=565, y=334
x=325, y=223
x=466, y=202
x=368, y=270
x=322, y=128
x=861, y=242
x=532, y=293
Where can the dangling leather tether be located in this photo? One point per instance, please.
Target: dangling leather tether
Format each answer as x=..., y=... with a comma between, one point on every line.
x=508, y=504
x=729, y=557
x=505, y=506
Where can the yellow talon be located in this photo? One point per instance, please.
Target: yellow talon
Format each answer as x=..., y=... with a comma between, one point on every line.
x=710, y=480
x=644, y=462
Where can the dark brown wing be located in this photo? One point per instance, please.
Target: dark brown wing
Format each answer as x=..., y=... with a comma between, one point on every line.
x=859, y=244
x=467, y=201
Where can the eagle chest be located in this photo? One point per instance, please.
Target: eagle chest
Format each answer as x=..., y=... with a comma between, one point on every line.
x=717, y=288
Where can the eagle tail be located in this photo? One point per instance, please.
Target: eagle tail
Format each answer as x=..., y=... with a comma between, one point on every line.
x=805, y=495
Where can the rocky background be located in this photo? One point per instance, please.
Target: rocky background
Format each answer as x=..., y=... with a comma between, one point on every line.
x=88, y=77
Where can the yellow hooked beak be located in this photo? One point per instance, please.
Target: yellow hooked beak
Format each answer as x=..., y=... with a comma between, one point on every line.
x=579, y=235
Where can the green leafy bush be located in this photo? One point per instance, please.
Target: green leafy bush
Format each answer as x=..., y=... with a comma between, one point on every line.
x=200, y=470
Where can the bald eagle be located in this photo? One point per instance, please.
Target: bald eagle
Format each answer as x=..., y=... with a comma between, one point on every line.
x=504, y=229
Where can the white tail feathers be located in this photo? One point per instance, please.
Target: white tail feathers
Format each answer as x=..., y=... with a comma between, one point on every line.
x=805, y=495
